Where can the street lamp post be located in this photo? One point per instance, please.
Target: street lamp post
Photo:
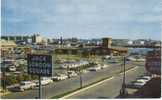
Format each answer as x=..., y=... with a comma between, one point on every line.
x=67, y=67
x=80, y=76
x=123, y=91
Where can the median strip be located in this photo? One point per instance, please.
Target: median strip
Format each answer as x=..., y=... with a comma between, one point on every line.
x=81, y=90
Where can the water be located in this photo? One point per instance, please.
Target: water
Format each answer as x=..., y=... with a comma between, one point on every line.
x=139, y=50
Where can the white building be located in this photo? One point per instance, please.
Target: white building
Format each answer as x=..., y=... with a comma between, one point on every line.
x=139, y=42
x=130, y=42
x=37, y=38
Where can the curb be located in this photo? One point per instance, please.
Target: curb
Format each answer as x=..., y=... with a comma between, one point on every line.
x=64, y=97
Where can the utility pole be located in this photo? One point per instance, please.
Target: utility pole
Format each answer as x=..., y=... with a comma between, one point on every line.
x=69, y=52
x=123, y=91
x=80, y=76
x=80, y=73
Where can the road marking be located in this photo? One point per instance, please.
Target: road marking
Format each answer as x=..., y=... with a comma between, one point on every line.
x=81, y=90
x=129, y=70
x=86, y=88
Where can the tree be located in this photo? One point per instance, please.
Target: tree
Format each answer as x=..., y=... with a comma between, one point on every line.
x=26, y=77
x=11, y=80
x=19, y=78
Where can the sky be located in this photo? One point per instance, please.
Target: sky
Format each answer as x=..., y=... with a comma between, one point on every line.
x=128, y=19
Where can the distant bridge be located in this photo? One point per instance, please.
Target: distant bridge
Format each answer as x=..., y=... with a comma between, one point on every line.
x=142, y=46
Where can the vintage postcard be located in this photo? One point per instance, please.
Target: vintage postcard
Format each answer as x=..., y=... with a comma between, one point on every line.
x=80, y=49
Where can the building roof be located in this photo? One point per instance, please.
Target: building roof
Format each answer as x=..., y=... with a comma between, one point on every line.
x=5, y=43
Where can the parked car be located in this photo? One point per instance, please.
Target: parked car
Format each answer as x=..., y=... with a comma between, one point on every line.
x=136, y=84
x=71, y=74
x=104, y=66
x=141, y=80
x=44, y=81
x=24, y=85
x=94, y=68
x=146, y=77
x=139, y=84
x=59, y=77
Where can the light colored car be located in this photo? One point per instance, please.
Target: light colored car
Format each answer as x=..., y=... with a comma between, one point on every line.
x=135, y=84
x=44, y=81
x=138, y=84
x=72, y=73
x=60, y=77
x=94, y=68
x=24, y=85
x=141, y=80
x=104, y=66
x=146, y=77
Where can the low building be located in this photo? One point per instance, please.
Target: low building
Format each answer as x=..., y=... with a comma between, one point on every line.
x=7, y=47
x=139, y=42
x=105, y=49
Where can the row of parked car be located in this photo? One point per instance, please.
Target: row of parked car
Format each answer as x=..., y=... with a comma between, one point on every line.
x=59, y=77
x=98, y=67
x=139, y=82
x=24, y=85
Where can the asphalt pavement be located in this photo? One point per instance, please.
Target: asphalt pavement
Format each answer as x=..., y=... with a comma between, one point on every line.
x=67, y=85
x=110, y=88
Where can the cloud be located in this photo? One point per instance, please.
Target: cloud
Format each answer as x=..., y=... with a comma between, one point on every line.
x=83, y=17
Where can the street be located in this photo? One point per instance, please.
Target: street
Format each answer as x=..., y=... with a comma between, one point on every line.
x=64, y=86
x=110, y=88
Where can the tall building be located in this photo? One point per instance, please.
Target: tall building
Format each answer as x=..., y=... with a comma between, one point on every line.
x=61, y=41
x=106, y=42
x=37, y=38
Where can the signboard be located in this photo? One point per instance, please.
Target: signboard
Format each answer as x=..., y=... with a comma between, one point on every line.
x=153, y=62
x=39, y=64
